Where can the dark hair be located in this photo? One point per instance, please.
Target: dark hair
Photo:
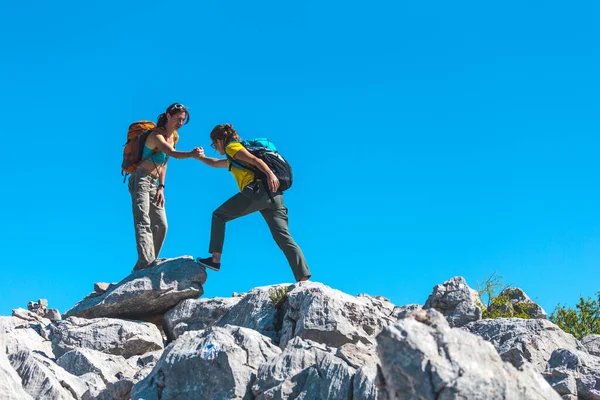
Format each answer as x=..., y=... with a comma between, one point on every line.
x=224, y=132
x=173, y=109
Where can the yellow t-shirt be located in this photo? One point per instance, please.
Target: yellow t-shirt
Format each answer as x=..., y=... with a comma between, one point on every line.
x=242, y=176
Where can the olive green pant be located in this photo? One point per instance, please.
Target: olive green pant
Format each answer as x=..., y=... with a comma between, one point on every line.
x=253, y=198
x=150, y=220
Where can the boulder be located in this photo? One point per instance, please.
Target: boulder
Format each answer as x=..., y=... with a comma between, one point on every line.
x=574, y=374
x=10, y=382
x=305, y=370
x=27, y=315
x=21, y=334
x=217, y=363
x=456, y=301
x=53, y=314
x=514, y=302
x=592, y=344
x=110, y=368
x=146, y=293
x=108, y=335
x=43, y=379
x=402, y=311
x=259, y=309
x=319, y=313
x=368, y=380
x=521, y=341
x=423, y=357
x=196, y=314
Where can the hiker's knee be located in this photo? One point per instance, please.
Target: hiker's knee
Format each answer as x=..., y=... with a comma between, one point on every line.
x=221, y=215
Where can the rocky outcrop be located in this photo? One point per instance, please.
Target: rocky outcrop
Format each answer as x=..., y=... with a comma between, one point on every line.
x=41, y=308
x=514, y=302
x=422, y=357
x=145, y=293
x=592, y=344
x=303, y=340
x=316, y=312
x=11, y=385
x=219, y=363
x=304, y=370
x=196, y=314
x=108, y=335
x=42, y=378
x=520, y=341
x=22, y=334
x=456, y=301
x=574, y=374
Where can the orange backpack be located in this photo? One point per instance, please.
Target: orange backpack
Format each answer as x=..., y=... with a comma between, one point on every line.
x=136, y=138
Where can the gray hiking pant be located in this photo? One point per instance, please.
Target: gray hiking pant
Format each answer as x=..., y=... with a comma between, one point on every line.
x=253, y=198
x=150, y=220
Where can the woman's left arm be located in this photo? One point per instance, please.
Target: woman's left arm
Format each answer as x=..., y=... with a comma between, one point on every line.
x=244, y=156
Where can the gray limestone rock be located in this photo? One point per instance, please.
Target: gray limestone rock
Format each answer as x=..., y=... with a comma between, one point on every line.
x=196, y=314
x=592, y=344
x=319, y=313
x=304, y=370
x=30, y=316
x=402, y=311
x=574, y=374
x=517, y=302
x=10, y=382
x=119, y=390
x=218, y=363
x=108, y=335
x=368, y=379
x=524, y=340
x=110, y=368
x=22, y=334
x=146, y=293
x=53, y=314
x=422, y=357
x=259, y=309
x=43, y=379
x=456, y=301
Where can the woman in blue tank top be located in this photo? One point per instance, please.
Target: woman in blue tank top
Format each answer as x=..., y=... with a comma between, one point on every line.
x=147, y=184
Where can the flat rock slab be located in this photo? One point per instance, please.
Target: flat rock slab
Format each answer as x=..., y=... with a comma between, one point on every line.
x=147, y=292
x=108, y=335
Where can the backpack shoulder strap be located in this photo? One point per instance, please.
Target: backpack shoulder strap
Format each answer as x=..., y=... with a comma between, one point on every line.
x=233, y=162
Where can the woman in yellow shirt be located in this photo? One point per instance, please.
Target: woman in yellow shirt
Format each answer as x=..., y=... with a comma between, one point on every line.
x=253, y=197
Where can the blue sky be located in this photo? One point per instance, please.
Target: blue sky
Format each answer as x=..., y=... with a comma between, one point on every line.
x=428, y=140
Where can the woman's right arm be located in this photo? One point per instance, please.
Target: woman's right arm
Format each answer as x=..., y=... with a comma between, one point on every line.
x=169, y=150
x=214, y=162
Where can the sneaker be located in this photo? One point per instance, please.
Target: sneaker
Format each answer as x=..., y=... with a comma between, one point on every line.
x=208, y=263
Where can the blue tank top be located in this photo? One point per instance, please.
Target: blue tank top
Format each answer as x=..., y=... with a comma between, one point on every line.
x=159, y=158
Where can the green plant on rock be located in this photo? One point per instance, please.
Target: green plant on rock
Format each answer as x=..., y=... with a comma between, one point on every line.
x=278, y=296
x=490, y=287
x=502, y=307
x=582, y=321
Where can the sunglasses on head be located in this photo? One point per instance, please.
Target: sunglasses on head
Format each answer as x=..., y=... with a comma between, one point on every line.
x=176, y=107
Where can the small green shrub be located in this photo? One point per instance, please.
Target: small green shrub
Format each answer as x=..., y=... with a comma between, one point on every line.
x=278, y=296
x=501, y=307
x=582, y=321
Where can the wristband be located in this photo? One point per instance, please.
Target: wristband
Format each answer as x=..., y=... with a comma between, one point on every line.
x=161, y=186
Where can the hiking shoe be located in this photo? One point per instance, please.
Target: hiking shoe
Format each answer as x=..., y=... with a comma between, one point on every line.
x=208, y=263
